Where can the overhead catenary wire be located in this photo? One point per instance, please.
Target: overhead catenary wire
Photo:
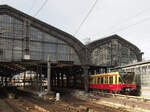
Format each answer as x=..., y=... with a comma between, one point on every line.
x=85, y=18
x=129, y=18
x=131, y=25
x=32, y=5
x=4, y=1
x=44, y=3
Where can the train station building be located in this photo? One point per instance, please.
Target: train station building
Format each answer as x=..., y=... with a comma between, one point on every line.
x=28, y=44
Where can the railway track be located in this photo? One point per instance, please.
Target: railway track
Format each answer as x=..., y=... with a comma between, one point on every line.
x=129, y=97
x=68, y=103
x=98, y=102
x=14, y=107
x=130, y=103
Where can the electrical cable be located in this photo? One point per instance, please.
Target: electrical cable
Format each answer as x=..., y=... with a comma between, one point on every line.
x=41, y=7
x=32, y=6
x=4, y=1
x=129, y=18
x=85, y=18
x=131, y=25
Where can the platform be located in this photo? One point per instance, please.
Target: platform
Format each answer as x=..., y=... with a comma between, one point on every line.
x=145, y=92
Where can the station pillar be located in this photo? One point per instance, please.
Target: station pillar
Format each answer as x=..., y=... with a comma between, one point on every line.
x=2, y=81
x=54, y=78
x=62, y=80
x=58, y=79
x=24, y=79
x=67, y=76
x=105, y=70
x=49, y=75
x=10, y=81
x=86, y=78
x=6, y=82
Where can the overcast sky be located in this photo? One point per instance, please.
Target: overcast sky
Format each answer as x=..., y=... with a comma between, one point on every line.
x=128, y=18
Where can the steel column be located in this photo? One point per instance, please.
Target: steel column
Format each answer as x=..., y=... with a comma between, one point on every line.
x=86, y=79
x=62, y=80
x=49, y=75
x=24, y=78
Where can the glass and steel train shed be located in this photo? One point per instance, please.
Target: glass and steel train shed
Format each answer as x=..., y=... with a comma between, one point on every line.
x=26, y=43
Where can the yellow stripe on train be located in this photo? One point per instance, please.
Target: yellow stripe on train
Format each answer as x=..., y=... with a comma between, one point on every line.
x=105, y=74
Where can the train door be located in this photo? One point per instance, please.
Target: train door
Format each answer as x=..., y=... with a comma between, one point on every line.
x=106, y=82
x=102, y=82
x=98, y=82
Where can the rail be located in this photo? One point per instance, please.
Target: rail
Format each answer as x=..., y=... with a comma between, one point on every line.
x=139, y=98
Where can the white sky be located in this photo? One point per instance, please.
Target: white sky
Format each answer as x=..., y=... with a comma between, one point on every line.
x=108, y=17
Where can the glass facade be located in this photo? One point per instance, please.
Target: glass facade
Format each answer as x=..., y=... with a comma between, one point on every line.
x=113, y=53
x=41, y=44
x=102, y=55
x=126, y=56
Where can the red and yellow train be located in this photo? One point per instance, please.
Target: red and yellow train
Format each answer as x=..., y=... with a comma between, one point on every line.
x=116, y=82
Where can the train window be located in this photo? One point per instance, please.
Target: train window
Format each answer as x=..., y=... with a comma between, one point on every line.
x=93, y=81
x=110, y=80
x=96, y=80
x=120, y=81
x=102, y=78
x=99, y=80
x=116, y=80
x=106, y=80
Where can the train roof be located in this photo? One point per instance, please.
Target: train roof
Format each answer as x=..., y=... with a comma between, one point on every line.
x=112, y=73
x=134, y=64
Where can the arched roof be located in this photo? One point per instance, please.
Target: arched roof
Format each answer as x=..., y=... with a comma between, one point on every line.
x=126, y=43
x=71, y=40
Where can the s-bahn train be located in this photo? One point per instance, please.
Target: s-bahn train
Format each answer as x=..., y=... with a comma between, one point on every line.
x=115, y=82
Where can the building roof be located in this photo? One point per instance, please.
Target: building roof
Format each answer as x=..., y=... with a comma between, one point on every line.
x=78, y=46
x=134, y=64
x=100, y=41
x=9, y=9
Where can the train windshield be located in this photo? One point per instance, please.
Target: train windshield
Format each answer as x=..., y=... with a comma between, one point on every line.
x=128, y=77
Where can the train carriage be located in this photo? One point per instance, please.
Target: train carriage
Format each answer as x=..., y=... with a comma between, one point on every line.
x=114, y=82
